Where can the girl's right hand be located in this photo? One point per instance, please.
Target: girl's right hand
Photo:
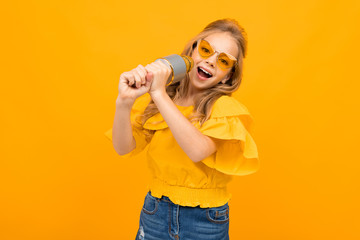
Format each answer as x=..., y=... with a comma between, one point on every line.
x=133, y=84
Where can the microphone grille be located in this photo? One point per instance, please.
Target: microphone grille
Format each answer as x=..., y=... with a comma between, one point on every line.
x=189, y=62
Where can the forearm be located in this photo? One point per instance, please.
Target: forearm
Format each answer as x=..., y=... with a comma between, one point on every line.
x=122, y=138
x=196, y=145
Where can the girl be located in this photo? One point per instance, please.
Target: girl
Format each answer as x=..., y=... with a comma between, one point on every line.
x=195, y=134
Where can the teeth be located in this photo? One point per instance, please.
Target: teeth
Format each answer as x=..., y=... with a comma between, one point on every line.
x=205, y=71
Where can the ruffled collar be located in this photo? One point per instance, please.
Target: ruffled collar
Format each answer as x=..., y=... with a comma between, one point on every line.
x=157, y=121
x=225, y=106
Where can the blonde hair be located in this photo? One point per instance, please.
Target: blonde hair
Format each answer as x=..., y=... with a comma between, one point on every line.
x=204, y=102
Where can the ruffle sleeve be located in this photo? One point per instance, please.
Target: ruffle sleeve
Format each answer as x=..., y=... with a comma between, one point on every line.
x=229, y=125
x=140, y=139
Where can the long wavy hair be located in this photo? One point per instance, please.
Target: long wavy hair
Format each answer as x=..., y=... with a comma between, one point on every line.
x=204, y=101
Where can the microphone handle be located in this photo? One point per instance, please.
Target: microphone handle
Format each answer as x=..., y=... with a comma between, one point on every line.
x=180, y=66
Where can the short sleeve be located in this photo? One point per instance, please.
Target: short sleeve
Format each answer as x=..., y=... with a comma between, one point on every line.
x=139, y=136
x=229, y=125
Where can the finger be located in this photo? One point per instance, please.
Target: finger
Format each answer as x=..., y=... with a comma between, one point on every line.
x=163, y=65
x=158, y=63
x=142, y=73
x=141, y=68
x=137, y=79
x=149, y=78
x=149, y=68
x=159, y=67
x=129, y=78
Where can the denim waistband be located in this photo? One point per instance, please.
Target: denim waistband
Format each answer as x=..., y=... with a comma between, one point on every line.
x=162, y=197
x=167, y=199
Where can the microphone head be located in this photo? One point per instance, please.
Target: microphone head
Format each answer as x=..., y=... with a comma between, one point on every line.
x=189, y=62
x=180, y=65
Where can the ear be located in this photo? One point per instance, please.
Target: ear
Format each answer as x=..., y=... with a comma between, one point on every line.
x=226, y=78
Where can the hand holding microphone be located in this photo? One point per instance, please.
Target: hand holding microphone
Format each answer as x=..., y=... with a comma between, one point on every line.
x=138, y=81
x=179, y=66
x=133, y=84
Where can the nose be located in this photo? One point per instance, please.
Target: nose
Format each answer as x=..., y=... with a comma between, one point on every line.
x=212, y=60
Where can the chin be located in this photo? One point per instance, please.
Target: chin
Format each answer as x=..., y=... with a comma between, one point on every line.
x=200, y=86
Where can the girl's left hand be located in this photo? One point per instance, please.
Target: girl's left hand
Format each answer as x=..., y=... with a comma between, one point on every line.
x=161, y=73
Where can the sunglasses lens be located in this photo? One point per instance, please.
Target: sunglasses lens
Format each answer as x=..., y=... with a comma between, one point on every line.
x=225, y=61
x=205, y=50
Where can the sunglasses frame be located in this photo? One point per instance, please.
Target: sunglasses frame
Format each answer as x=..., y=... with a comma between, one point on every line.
x=231, y=57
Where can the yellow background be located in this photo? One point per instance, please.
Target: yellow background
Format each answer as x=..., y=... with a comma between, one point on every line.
x=60, y=65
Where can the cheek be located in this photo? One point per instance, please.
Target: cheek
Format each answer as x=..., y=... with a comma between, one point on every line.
x=195, y=56
x=221, y=75
x=192, y=71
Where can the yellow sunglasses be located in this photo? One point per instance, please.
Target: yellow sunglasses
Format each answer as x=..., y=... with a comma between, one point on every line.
x=224, y=60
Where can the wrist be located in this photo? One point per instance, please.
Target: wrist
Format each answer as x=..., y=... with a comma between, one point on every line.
x=125, y=103
x=157, y=95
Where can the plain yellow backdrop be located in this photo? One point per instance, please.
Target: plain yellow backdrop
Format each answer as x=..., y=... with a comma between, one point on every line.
x=60, y=65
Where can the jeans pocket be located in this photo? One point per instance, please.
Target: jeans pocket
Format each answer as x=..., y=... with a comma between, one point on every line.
x=150, y=204
x=218, y=214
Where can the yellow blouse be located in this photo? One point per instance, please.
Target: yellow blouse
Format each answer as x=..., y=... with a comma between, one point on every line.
x=203, y=183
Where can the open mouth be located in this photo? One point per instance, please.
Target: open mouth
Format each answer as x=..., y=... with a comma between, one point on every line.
x=203, y=73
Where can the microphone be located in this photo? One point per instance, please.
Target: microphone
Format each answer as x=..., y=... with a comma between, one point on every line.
x=179, y=65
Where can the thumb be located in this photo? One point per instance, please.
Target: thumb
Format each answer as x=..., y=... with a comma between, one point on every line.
x=149, y=77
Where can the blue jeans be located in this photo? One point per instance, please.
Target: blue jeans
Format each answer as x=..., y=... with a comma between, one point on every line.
x=161, y=219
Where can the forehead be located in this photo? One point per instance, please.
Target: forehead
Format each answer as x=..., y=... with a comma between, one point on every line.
x=223, y=42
